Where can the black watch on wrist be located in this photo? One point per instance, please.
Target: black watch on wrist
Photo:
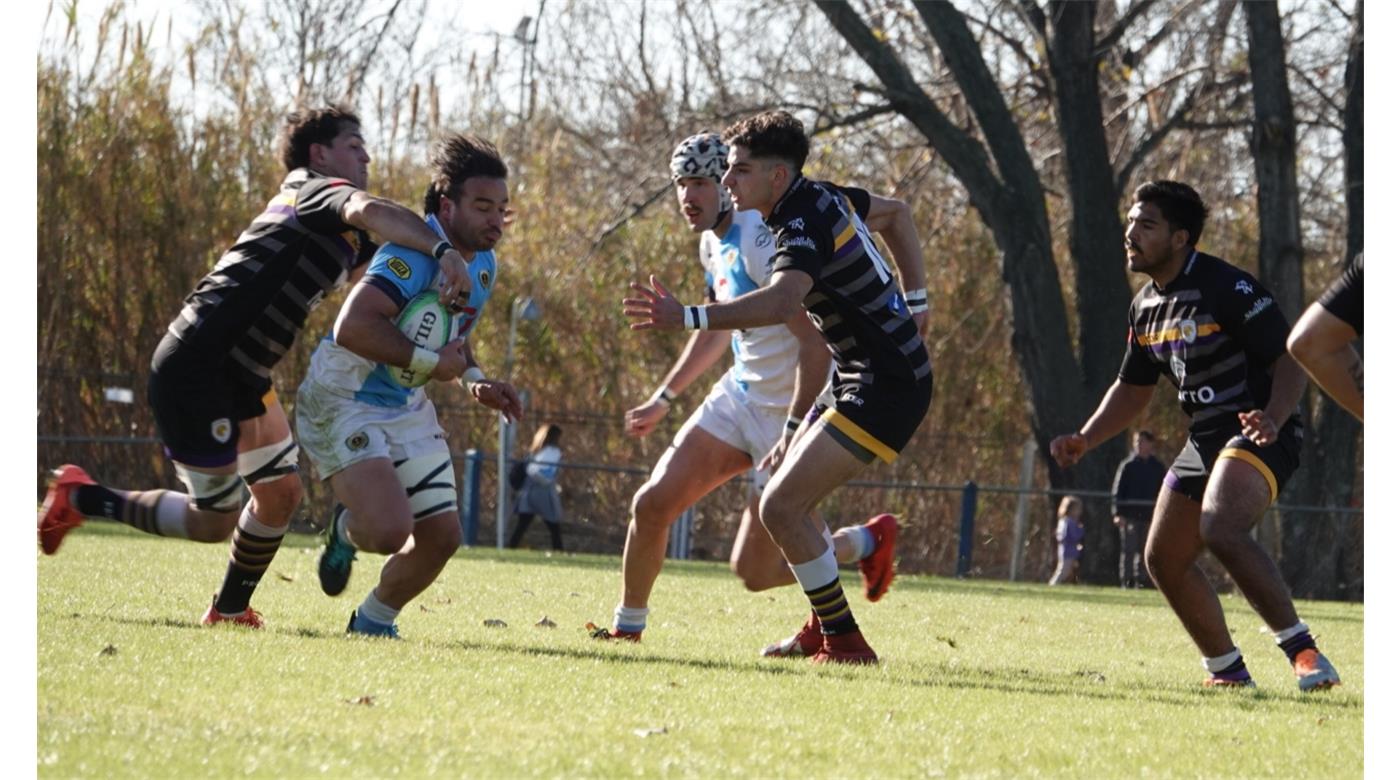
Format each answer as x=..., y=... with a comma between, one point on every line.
x=441, y=249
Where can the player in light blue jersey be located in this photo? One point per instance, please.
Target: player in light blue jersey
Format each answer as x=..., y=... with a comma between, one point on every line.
x=379, y=443
x=778, y=372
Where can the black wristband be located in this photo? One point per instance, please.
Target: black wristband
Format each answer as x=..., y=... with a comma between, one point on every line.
x=441, y=249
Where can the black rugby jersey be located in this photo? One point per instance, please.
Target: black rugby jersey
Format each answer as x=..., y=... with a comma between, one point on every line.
x=1215, y=332
x=248, y=310
x=855, y=299
x=1344, y=298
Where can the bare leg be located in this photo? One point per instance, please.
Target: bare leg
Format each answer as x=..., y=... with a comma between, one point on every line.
x=816, y=465
x=380, y=520
x=410, y=571
x=756, y=559
x=697, y=463
x=1173, y=545
x=1236, y=497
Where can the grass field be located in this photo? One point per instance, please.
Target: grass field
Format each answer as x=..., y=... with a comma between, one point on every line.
x=983, y=679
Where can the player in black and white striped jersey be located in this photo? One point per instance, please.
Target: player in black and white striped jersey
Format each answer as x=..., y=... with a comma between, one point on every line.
x=210, y=387
x=826, y=262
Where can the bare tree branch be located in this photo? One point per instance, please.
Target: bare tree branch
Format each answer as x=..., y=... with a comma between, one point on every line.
x=1114, y=33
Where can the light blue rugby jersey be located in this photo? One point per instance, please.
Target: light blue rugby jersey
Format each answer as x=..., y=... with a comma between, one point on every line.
x=739, y=262
x=401, y=273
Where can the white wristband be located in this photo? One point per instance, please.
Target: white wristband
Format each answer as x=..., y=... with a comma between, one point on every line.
x=917, y=300
x=424, y=360
x=473, y=375
x=695, y=318
x=793, y=423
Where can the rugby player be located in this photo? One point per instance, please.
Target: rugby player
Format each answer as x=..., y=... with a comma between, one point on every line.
x=1218, y=336
x=1321, y=341
x=777, y=373
x=826, y=263
x=210, y=386
x=379, y=443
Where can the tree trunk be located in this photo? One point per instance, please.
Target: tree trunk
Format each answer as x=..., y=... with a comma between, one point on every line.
x=1011, y=202
x=1095, y=244
x=1312, y=542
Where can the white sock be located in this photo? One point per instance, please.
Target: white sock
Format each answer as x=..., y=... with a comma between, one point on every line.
x=341, y=529
x=378, y=611
x=249, y=524
x=1220, y=662
x=630, y=618
x=172, y=510
x=862, y=541
x=1289, y=633
x=818, y=572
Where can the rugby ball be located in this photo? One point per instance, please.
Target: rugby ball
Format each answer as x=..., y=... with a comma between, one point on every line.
x=426, y=322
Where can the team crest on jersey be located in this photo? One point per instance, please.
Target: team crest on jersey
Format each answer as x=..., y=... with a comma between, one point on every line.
x=1244, y=287
x=1188, y=331
x=485, y=278
x=763, y=239
x=357, y=441
x=399, y=268
x=222, y=430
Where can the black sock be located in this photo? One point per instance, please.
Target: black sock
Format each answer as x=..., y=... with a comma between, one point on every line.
x=137, y=509
x=1292, y=646
x=555, y=538
x=99, y=501
x=249, y=557
x=831, y=607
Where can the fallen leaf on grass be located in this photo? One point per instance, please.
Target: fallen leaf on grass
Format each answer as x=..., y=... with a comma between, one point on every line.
x=424, y=607
x=545, y=622
x=651, y=732
x=365, y=700
x=493, y=623
x=947, y=641
x=108, y=650
x=286, y=577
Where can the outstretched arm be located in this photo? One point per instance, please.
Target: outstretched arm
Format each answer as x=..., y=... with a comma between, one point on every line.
x=1120, y=405
x=657, y=309
x=702, y=351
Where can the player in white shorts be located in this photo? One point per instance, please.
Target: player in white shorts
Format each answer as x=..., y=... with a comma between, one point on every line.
x=778, y=372
x=379, y=443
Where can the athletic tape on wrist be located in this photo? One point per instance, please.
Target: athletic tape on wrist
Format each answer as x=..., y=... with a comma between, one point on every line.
x=696, y=319
x=663, y=396
x=793, y=423
x=917, y=300
x=424, y=360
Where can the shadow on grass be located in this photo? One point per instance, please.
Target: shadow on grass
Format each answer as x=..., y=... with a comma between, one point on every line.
x=1081, y=683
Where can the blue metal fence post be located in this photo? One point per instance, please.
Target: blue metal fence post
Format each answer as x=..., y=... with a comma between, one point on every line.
x=969, y=513
x=470, y=506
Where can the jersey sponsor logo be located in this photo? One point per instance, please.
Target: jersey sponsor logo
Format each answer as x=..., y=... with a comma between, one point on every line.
x=797, y=224
x=1202, y=395
x=222, y=430
x=1188, y=331
x=357, y=441
x=1259, y=306
x=763, y=239
x=897, y=305
x=1244, y=287
x=851, y=398
x=399, y=268
x=802, y=241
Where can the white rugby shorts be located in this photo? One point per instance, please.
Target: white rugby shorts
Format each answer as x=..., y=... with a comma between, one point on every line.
x=338, y=432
